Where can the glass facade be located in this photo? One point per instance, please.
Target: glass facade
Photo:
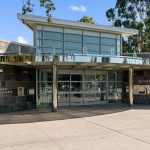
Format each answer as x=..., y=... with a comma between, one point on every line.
x=44, y=89
x=60, y=42
x=80, y=88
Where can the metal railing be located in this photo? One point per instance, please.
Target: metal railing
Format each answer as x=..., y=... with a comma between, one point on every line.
x=74, y=58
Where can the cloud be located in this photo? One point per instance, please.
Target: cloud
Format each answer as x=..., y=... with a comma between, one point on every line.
x=22, y=40
x=78, y=8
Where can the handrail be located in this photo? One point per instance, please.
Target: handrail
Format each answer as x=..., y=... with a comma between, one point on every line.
x=72, y=58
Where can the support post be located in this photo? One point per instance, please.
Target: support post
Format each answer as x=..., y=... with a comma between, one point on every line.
x=54, y=87
x=130, y=87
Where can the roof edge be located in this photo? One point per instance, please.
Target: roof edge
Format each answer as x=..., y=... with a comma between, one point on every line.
x=123, y=31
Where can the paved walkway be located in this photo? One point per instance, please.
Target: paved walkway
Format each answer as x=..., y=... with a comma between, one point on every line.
x=98, y=128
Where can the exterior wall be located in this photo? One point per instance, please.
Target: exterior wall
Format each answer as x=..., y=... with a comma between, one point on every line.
x=141, y=87
x=54, y=40
x=17, y=88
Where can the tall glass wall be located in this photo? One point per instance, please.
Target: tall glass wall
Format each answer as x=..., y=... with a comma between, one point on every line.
x=114, y=87
x=76, y=89
x=89, y=89
x=44, y=89
x=69, y=41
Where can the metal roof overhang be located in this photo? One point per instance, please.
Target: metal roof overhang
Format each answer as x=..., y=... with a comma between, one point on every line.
x=31, y=21
x=78, y=65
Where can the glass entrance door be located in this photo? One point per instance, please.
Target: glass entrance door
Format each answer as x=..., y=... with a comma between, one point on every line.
x=82, y=89
x=44, y=88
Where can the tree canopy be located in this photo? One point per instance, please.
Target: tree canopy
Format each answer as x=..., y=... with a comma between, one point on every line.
x=133, y=14
x=87, y=19
x=47, y=4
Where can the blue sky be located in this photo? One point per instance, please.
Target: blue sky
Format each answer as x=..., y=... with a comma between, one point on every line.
x=12, y=29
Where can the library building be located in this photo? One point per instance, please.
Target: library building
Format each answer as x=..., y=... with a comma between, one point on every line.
x=71, y=64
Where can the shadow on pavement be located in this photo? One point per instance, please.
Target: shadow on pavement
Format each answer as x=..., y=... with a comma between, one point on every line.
x=41, y=115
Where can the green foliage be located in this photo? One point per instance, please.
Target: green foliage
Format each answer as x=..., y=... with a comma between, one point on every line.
x=27, y=8
x=132, y=14
x=87, y=19
x=47, y=4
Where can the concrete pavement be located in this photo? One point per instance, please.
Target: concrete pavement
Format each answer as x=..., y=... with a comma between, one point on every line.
x=106, y=128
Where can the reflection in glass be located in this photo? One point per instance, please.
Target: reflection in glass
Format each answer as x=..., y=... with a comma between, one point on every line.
x=101, y=77
x=44, y=101
x=76, y=77
x=89, y=77
x=63, y=99
x=89, y=98
x=63, y=86
x=76, y=86
x=44, y=89
x=114, y=92
x=89, y=86
x=63, y=77
x=76, y=99
x=100, y=86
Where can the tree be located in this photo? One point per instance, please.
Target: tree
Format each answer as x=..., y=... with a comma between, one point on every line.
x=47, y=4
x=87, y=19
x=132, y=14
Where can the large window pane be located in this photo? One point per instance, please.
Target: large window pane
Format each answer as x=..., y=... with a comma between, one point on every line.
x=119, y=76
x=75, y=77
x=118, y=42
x=100, y=87
x=93, y=52
x=63, y=99
x=52, y=50
x=91, y=39
x=40, y=43
x=89, y=98
x=64, y=86
x=108, y=41
x=112, y=76
x=73, y=38
x=53, y=44
x=73, y=46
x=53, y=35
x=108, y=50
x=92, y=47
x=40, y=34
x=63, y=77
x=76, y=86
x=89, y=77
x=89, y=87
x=73, y=51
x=112, y=87
x=76, y=99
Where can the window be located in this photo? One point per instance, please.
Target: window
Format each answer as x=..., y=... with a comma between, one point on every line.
x=39, y=34
x=92, y=47
x=73, y=37
x=92, y=39
x=53, y=35
x=52, y=50
x=73, y=46
x=108, y=50
x=53, y=44
x=108, y=41
x=73, y=52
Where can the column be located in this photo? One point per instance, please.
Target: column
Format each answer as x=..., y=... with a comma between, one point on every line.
x=130, y=86
x=54, y=92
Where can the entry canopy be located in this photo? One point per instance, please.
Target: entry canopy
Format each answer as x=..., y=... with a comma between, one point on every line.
x=31, y=21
